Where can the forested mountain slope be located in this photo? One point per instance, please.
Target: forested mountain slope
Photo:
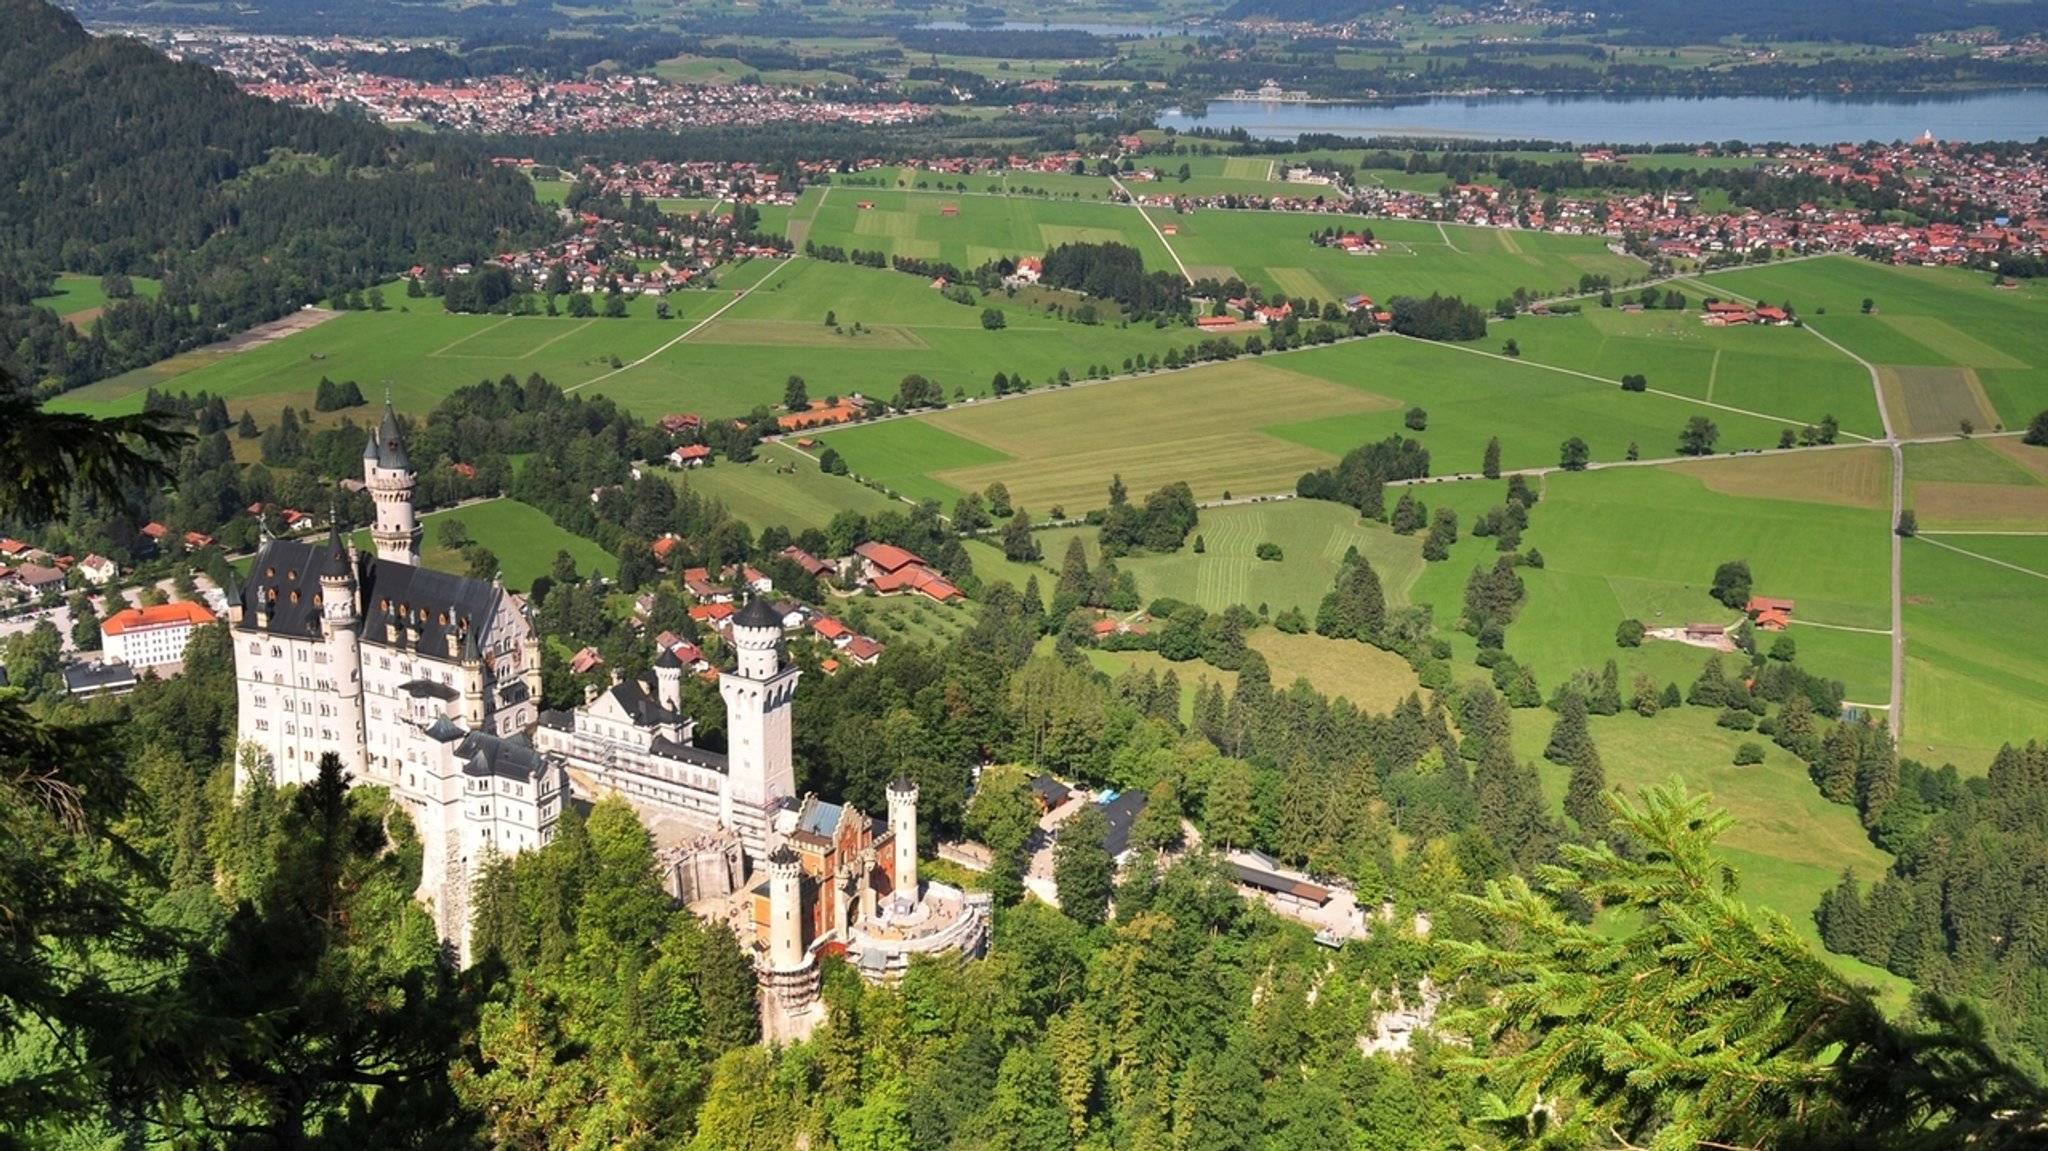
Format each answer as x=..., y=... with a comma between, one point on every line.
x=113, y=158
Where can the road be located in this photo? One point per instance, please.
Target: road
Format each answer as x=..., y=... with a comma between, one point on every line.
x=1891, y=441
x=1147, y=217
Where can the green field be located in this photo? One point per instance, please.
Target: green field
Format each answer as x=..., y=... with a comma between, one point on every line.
x=1480, y=264
x=782, y=486
x=1313, y=534
x=744, y=357
x=79, y=298
x=1644, y=543
x=523, y=538
x=1973, y=652
x=982, y=228
x=1471, y=398
x=1927, y=317
x=424, y=353
x=1060, y=447
x=1782, y=372
x=1978, y=485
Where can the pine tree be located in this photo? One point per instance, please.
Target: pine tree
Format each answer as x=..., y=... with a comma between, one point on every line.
x=1571, y=744
x=1706, y=1024
x=1490, y=466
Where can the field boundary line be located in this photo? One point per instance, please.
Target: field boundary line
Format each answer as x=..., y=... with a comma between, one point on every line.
x=699, y=326
x=1786, y=420
x=1841, y=627
x=1989, y=560
x=545, y=345
x=1150, y=223
x=1961, y=532
x=1447, y=238
x=460, y=340
x=1713, y=373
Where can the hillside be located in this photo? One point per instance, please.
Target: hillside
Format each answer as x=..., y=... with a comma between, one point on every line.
x=115, y=159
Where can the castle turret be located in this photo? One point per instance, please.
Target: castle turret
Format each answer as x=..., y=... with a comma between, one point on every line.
x=785, y=909
x=760, y=766
x=472, y=681
x=903, y=828
x=388, y=474
x=342, y=621
x=668, y=679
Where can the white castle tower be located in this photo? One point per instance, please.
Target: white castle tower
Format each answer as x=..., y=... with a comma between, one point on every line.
x=757, y=694
x=785, y=904
x=903, y=827
x=344, y=649
x=387, y=472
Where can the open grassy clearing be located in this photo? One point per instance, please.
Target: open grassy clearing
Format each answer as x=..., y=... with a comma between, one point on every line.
x=1480, y=266
x=78, y=298
x=968, y=229
x=764, y=494
x=1974, y=671
x=1374, y=680
x=1790, y=844
x=1933, y=317
x=1779, y=371
x=1929, y=401
x=1471, y=398
x=425, y=353
x=1313, y=534
x=1852, y=477
x=1064, y=445
x=522, y=536
x=744, y=357
x=1644, y=543
x=902, y=453
x=1978, y=485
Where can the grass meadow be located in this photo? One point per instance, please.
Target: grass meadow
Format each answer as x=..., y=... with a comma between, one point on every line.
x=1973, y=652
x=970, y=229
x=1314, y=535
x=782, y=486
x=78, y=298
x=1059, y=447
x=522, y=536
x=1783, y=372
x=1923, y=317
x=1978, y=485
x=1471, y=398
x=1480, y=264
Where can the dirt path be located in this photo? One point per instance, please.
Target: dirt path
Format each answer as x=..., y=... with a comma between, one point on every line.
x=1987, y=559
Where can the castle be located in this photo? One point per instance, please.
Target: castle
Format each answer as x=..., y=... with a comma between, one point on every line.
x=429, y=684
x=422, y=682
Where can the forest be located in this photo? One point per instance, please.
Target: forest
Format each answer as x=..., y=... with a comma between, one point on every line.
x=195, y=958
x=244, y=208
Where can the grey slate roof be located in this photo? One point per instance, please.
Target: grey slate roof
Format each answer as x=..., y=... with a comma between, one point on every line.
x=757, y=613
x=387, y=447
x=508, y=757
x=436, y=602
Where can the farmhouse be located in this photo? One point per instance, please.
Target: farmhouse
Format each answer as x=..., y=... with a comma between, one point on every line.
x=690, y=456
x=1770, y=613
x=890, y=569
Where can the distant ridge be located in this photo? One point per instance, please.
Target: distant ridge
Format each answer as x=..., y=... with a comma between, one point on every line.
x=116, y=159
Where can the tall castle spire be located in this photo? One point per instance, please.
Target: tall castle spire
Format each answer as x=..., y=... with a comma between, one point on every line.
x=387, y=472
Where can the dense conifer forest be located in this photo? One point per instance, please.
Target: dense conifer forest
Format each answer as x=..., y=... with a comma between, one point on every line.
x=115, y=159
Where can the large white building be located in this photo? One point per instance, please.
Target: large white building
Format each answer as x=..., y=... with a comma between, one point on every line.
x=633, y=739
x=151, y=636
x=422, y=682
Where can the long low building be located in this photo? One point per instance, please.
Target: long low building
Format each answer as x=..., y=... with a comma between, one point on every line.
x=152, y=636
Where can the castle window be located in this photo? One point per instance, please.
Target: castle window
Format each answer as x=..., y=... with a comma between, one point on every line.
x=276, y=651
x=255, y=648
x=262, y=725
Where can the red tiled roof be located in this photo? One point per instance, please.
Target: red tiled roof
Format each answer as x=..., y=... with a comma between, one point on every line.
x=162, y=615
x=888, y=557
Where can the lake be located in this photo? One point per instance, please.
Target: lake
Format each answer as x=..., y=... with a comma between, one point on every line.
x=1585, y=119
